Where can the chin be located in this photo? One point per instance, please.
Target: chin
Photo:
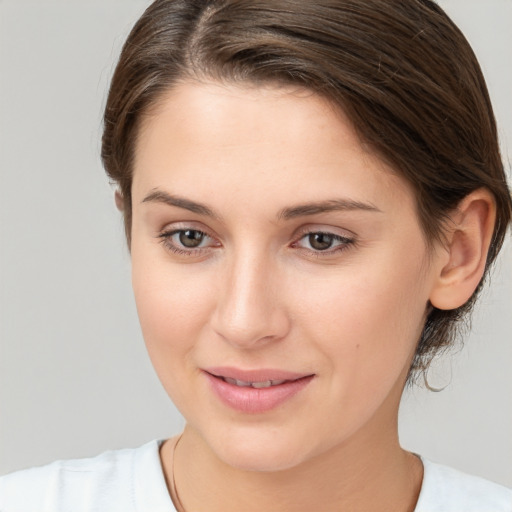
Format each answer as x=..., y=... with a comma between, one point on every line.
x=263, y=451
x=267, y=461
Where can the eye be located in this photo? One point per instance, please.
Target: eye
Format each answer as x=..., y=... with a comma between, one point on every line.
x=319, y=241
x=190, y=238
x=187, y=241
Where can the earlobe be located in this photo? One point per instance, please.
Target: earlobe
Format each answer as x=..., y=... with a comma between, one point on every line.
x=119, y=200
x=469, y=234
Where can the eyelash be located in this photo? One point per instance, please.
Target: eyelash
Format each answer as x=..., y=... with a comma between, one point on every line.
x=166, y=240
x=344, y=243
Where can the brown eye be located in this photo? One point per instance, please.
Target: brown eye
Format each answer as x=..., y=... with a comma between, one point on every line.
x=320, y=241
x=323, y=242
x=191, y=238
x=188, y=242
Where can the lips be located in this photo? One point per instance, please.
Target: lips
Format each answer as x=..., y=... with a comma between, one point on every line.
x=255, y=391
x=257, y=385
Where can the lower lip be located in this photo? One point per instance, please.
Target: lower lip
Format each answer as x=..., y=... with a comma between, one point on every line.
x=256, y=400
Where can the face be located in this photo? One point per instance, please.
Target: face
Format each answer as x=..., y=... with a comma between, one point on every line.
x=280, y=272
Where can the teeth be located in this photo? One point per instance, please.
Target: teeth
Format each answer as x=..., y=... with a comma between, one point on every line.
x=257, y=385
x=236, y=382
x=265, y=384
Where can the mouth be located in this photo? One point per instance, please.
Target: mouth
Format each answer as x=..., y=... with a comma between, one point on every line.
x=255, y=391
x=256, y=385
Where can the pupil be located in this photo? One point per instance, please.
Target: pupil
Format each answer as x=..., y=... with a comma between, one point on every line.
x=320, y=241
x=191, y=238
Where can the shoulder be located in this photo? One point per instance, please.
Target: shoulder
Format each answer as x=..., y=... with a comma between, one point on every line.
x=446, y=489
x=110, y=481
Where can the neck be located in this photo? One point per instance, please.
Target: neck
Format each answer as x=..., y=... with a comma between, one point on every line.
x=368, y=472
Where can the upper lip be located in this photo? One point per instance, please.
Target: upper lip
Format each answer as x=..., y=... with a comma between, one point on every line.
x=257, y=375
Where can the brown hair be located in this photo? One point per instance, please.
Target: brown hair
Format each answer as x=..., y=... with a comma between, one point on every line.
x=400, y=69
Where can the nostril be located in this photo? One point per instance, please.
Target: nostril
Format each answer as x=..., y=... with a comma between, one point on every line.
x=247, y=312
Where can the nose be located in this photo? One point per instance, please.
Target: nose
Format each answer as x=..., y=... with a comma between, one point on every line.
x=249, y=310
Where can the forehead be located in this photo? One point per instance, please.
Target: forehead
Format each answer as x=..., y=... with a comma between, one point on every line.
x=228, y=137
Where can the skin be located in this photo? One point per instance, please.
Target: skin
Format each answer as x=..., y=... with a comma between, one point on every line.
x=257, y=294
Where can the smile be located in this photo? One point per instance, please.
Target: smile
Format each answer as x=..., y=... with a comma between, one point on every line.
x=255, y=391
x=257, y=385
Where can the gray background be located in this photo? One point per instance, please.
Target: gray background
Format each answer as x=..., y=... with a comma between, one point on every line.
x=74, y=376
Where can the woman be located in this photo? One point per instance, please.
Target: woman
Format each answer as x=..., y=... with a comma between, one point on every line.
x=312, y=195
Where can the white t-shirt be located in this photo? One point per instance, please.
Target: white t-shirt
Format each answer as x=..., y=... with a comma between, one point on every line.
x=132, y=480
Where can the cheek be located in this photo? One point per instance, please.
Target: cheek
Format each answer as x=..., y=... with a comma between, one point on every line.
x=172, y=303
x=366, y=319
x=172, y=309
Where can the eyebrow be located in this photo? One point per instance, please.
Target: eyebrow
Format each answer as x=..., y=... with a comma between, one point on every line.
x=292, y=212
x=159, y=196
x=326, y=206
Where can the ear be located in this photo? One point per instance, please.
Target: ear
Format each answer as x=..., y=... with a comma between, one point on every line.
x=463, y=259
x=119, y=200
